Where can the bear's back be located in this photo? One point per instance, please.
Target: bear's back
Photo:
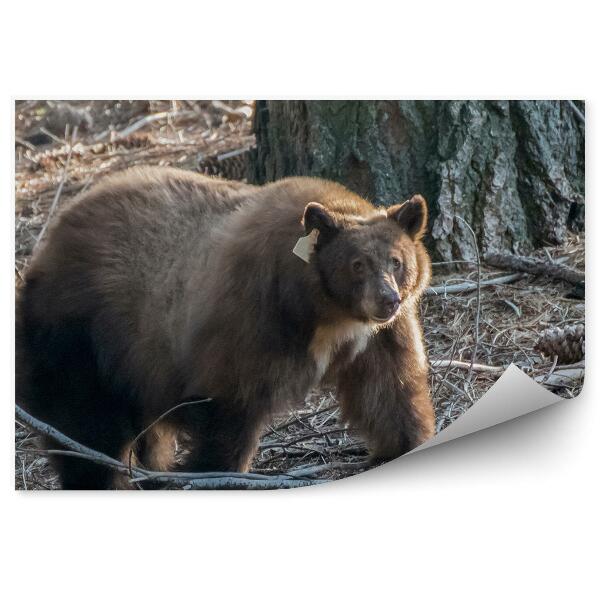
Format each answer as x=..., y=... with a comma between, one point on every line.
x=119, y=257
x=132, y=231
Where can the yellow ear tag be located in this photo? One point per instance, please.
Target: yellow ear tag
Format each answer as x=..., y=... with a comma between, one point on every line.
x=305, y=245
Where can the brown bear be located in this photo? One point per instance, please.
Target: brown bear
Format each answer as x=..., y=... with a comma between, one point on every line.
x=158, y=285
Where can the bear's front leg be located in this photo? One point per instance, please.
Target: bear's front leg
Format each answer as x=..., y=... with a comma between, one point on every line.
x=384, y=392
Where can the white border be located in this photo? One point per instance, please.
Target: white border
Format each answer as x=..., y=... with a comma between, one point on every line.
x=509, y=513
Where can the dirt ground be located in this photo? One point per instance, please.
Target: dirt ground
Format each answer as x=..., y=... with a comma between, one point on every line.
x=61, y=149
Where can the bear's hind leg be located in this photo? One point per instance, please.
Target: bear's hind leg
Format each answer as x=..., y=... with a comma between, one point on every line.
x=80, y=474
x=60, y=384
x=105, y=433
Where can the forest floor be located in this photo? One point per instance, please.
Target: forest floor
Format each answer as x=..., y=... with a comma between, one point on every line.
x=61, y=149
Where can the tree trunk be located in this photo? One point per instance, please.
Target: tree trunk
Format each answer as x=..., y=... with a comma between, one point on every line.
x=514, y=170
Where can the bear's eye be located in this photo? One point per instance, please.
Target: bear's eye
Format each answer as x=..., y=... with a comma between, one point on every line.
x=396, y=263
x=357, y=266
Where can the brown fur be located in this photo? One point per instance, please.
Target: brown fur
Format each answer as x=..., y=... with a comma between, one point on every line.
x=158, y=284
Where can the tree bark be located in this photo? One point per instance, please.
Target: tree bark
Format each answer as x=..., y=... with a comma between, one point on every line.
x=514, y=170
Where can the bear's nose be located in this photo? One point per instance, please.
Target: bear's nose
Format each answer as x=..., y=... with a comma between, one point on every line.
x=390, y=301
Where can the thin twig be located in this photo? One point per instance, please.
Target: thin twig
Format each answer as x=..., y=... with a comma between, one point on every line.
x=157, y=420
x=439, y=385
x=25, y=143
x=53, y=137
x=478, y=310
x=310, y=415
x=293, y=442
x=552, y=368
x=577, y=112
x=59, y=189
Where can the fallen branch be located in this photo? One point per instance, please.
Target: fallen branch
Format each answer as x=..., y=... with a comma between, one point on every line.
x=209, y=480
x=334, y=466
x=470, y=286
x=441, y=363
x=230, y=483
x=150, y=119
x=562, y=378
x=578, y=365
x=47, y=430
x=534, y=266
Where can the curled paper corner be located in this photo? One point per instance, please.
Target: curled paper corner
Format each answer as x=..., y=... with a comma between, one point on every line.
x=513, y=395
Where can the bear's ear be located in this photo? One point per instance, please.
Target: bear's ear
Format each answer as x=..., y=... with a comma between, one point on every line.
x=317, y=217
x=411, y=216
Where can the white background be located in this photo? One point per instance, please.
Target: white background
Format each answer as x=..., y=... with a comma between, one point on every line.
x=507, y=513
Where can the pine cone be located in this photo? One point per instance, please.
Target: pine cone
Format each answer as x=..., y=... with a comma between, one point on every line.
x=566, y=343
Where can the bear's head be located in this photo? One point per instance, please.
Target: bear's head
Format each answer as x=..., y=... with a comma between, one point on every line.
x=370, y=266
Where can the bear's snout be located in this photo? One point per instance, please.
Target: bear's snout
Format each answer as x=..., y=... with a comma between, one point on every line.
x=389, y=303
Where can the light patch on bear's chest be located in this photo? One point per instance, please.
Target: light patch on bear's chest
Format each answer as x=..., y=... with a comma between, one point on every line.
x=329, y=339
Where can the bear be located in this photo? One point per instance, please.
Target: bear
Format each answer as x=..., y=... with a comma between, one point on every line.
x=159, y=285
